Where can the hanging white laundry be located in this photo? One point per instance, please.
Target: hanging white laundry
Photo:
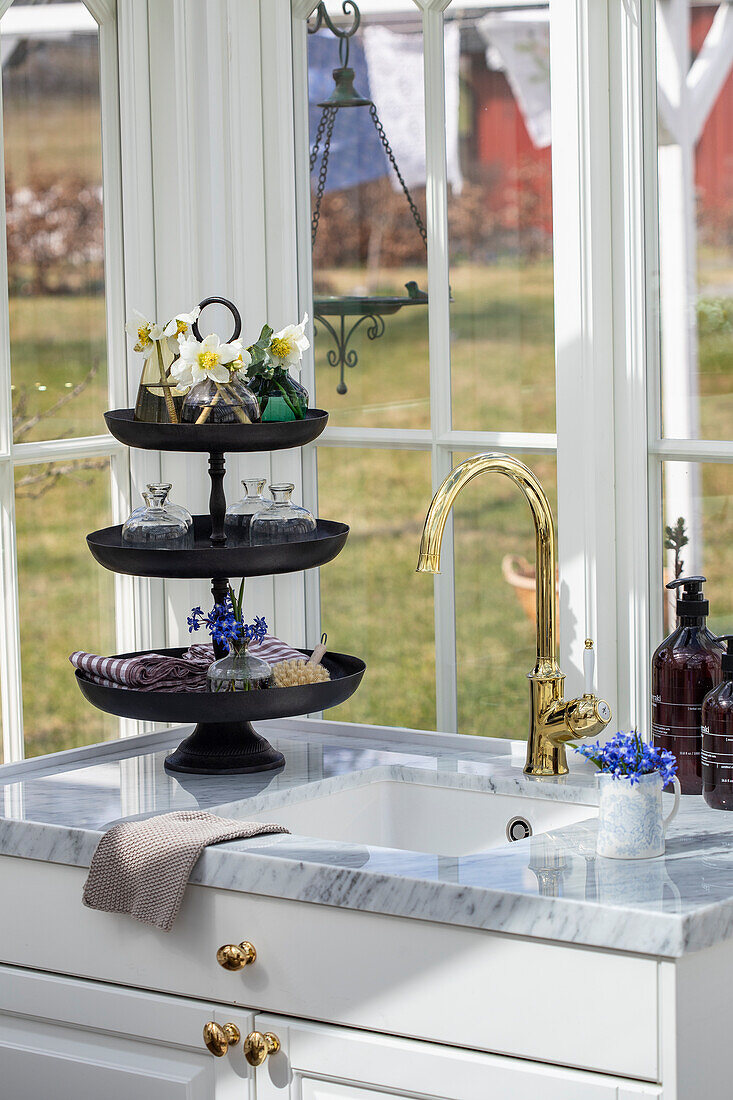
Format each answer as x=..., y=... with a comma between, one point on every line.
x=521, y=39
x=396, y=80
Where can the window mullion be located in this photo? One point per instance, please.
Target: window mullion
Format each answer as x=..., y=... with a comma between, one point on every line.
x=283, y=251
x=59, y=450
x=436, y=194
x=10, y=671
x=312, y=579
x=638, y=478
x=583, y=337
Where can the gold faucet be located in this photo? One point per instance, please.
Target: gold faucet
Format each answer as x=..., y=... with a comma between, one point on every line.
x=553, y=720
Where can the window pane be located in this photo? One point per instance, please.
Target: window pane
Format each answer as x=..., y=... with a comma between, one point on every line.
x=53, y=182
x=373, y=603
x=500, y=220
x=371, y=335
x=66, y=600
x=709, y=527
x=495, y=600
x=695, y=225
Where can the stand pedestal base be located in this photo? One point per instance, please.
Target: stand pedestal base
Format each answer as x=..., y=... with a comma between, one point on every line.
x=224, y=748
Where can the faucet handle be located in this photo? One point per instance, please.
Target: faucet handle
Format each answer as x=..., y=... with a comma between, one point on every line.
x=589, y=666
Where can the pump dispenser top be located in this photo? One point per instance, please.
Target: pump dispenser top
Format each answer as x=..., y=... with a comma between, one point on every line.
x=726, y=661
x=684, y=669
x=717, y=736
x=691, y=604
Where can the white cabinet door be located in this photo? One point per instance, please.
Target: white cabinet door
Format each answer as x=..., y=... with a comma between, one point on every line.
x=317, y=1062
x=62, y=1039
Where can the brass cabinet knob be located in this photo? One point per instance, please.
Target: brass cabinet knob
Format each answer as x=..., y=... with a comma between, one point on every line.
x=235, y=956
x=257, y=1047
x=219, y=1037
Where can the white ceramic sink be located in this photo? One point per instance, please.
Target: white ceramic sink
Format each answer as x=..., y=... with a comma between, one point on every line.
x=419, y=817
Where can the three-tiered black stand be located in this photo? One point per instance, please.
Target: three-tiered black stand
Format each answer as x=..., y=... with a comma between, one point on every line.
x=224, y=741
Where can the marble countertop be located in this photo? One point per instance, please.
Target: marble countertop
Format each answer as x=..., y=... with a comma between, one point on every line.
x=550, y=886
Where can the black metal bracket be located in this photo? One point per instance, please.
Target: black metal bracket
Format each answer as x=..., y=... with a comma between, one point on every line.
x=343, y=35
x=342, y=355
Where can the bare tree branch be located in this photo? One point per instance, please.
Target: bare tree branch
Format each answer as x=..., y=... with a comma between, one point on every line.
x=44, y=477
x=23, y=424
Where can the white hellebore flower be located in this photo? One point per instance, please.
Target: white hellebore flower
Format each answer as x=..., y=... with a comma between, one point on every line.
x=147, y=333
x=179, y=326
x=288, y=345
x=206, y=359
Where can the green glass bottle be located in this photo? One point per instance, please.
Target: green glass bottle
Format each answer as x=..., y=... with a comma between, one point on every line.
x=281, y=397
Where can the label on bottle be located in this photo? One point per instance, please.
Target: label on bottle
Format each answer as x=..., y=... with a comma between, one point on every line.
x=717, y=759
x=676, y=727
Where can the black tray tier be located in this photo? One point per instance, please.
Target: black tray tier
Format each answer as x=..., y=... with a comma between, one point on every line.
x=187, y=707
x=206, y=561
x=224, y=741
x=268, y=436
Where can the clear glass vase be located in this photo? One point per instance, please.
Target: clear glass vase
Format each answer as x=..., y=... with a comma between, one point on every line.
x=281, y=397
x=281, y=521
x=176, y=509
x=211, y=402
x=240, y=670
x=157, y=526
x=156, y=402
x=239, y=516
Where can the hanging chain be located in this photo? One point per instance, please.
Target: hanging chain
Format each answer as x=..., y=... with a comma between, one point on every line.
x=325, y=127
x=326, y=124
x=319, y=136
x=391, y=157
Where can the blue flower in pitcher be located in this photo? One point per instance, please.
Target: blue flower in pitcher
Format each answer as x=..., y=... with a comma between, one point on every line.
x=627, y=755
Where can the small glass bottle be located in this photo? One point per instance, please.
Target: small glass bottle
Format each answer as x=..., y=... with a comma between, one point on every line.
x=717, y=737
x=281, y=521
x=155, y=526
x=240, y=670
x=156, y=402
x=281, y=396
x=239, y=516
x=176, y=509
x=211, y=402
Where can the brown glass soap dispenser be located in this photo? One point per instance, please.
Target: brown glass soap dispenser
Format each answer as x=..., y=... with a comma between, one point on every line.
x=717, y=737
x=684, y=669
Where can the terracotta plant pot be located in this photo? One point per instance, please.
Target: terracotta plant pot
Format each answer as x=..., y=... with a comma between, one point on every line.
x=520, y=574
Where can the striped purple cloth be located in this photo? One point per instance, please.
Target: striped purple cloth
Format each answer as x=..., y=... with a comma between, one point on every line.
x=159, y=672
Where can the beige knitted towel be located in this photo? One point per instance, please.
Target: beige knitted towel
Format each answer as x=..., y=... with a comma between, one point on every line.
x=142, y=867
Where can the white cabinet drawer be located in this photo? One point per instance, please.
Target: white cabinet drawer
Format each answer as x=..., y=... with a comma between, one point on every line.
x=65, y=1039
x=460, y=986
x=330, y=1063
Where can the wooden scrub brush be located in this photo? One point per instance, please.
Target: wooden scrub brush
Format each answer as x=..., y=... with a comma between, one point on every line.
x=299, y=671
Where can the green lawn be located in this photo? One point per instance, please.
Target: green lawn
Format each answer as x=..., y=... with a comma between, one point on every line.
x=66, y=601
x=373, y=602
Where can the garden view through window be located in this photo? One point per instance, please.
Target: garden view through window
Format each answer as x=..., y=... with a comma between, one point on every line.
x=370, y=256
x=695, y=182
x=56, y=287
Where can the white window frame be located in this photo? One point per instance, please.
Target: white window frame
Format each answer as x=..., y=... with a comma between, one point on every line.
x=123, y=51
x=661, y=448
x=224, y=92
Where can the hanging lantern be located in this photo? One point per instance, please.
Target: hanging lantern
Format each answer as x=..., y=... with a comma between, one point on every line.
x=343, y=316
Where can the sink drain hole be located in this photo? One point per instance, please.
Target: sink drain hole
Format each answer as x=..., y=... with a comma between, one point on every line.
x=518, y=828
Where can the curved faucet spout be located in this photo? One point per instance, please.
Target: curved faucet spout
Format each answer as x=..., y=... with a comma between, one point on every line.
x=522, y=476
x=553, y=720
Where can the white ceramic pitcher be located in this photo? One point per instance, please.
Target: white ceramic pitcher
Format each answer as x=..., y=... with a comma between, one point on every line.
x=631, y=825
